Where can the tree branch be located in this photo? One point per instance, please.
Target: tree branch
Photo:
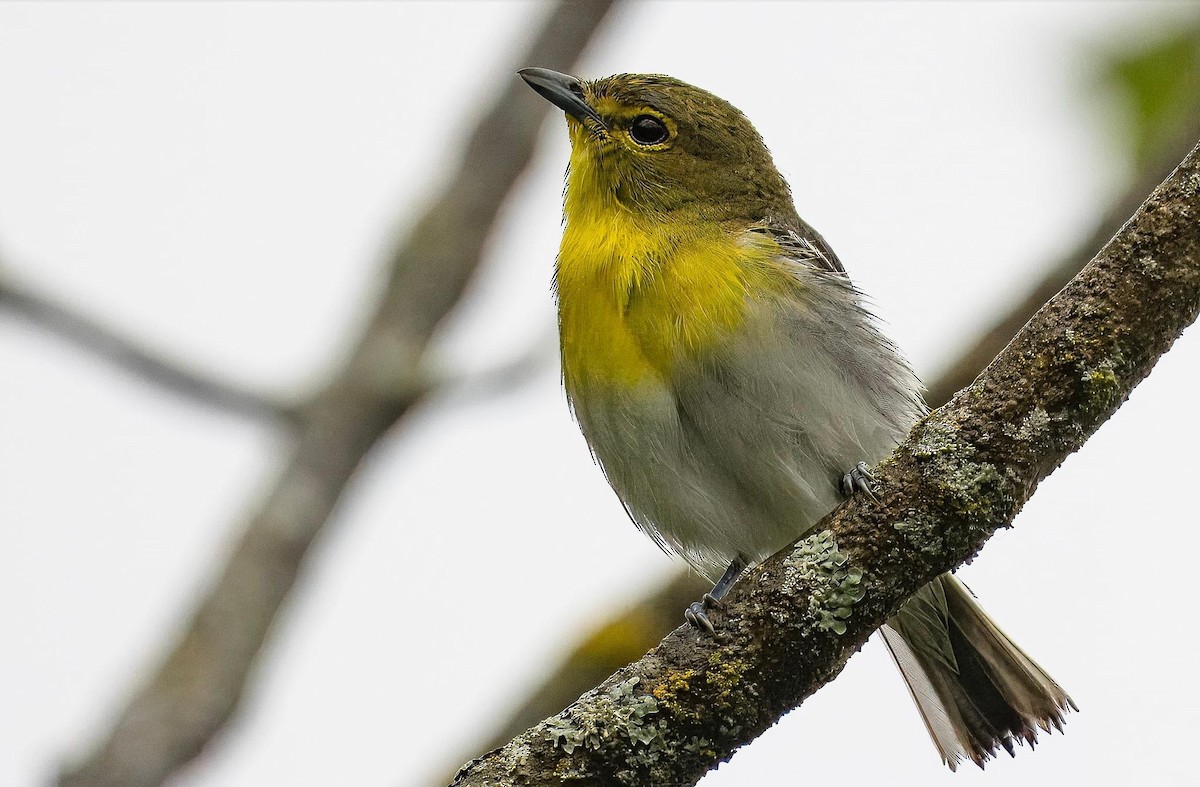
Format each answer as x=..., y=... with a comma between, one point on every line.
x=131, y=356
x=963, y=472
x=191, y=696
x=501, y=376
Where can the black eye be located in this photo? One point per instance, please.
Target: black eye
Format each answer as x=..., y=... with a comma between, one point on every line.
x=648, y=130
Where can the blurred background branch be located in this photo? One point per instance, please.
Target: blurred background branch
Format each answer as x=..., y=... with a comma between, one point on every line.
x=1157, y=92
x=196, y=689
x=136, y=358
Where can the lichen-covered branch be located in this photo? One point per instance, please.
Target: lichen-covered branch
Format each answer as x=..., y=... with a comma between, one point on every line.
x=963, y=472
x=194, y=692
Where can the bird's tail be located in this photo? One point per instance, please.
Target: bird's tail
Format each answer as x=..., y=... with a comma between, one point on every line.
x=975, y=689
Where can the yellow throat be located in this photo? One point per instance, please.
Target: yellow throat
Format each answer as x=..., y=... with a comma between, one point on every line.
x=638, y=292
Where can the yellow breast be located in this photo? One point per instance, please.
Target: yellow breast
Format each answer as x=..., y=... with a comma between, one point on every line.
x=637, y=295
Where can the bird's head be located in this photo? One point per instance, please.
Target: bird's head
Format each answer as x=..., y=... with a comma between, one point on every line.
x=655, y=146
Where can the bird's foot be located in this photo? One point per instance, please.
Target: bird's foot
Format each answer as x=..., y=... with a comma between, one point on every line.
x=859, y=479
x=697, y=613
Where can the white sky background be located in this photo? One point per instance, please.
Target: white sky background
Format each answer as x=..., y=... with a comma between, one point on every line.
x=223, y=180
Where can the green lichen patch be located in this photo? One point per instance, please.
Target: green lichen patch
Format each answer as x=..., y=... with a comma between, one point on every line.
x=937, y=440
x=1032, y=428
x=612, y=716
x=725, y=678
x=1101, y=389
x=966, y=487
x=629, y=732
x=922, y=533
x=835, y=585
x=973, y=491
x=674, y=683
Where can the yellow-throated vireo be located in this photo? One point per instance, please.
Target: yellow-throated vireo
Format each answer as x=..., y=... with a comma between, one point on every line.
x=732, y=384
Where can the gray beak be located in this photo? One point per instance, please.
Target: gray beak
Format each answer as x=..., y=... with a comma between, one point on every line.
x=561, y=90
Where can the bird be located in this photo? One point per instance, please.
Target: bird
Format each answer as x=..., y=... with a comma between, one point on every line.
x=733, y=384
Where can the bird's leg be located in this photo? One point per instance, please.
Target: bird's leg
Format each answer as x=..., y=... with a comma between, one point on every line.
x=859, y=479
x=697, y=611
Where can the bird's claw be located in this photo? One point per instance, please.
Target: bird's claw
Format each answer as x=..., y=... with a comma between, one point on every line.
x=697, y=614
x=859, y=479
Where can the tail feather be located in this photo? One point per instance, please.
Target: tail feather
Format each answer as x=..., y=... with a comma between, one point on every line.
x=976, y=690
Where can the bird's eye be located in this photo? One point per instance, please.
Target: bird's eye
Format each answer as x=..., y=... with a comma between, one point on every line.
x=648, y=130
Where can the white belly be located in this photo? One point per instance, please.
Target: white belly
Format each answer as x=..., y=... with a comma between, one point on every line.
x=738, y=455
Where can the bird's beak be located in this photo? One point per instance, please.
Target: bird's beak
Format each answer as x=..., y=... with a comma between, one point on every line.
x=561, y=90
